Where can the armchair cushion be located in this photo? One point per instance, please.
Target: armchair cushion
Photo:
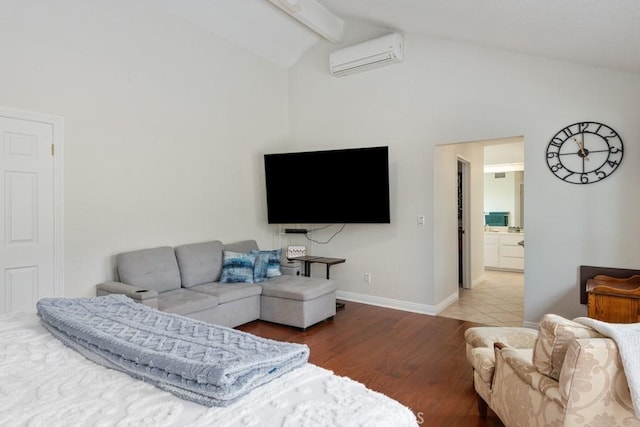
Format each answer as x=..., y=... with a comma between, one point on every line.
x=553, y=338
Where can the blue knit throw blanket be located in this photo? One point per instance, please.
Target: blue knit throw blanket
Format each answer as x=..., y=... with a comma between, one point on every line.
x=207, y=364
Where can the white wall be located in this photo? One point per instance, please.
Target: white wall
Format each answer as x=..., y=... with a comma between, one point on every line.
x=498, y=194
x=504, y=152
x=165, y=126
x=445, y=223
x=447, y=92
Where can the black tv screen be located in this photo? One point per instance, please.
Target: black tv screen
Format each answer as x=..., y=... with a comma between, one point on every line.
x=327, y=187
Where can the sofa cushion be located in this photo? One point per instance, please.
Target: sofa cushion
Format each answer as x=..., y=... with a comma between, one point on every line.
x=237, y=267
x=243, y=246
x=185, y=302
x=555, y=334
x=226, y=293
x=297, y=287
x=154, y=268
x=199, y=262
x=272, y=259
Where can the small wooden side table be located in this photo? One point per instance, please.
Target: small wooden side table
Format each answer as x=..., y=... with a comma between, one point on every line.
x=614, y=300
x=308, y=260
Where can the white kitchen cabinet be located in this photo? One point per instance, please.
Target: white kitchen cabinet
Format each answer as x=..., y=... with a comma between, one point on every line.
x=491, y=250
x=502, y=251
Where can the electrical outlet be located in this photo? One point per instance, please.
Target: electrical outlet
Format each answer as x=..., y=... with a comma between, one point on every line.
x=367, y=277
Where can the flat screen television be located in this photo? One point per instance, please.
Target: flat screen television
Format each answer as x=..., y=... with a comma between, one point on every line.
x=349, y=186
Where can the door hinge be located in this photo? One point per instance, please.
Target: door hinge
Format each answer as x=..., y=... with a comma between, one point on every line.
x=53, y=149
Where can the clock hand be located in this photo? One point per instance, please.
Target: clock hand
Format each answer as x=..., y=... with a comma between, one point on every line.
x=581, y=148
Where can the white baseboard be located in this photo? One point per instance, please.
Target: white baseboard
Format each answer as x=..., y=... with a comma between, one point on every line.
x=447, y=302
x=389, y=303
x=408, y=306
x=477, y=281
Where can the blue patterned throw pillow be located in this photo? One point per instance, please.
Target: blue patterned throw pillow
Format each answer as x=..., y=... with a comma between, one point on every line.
x=260, y=267
x=273, y=261
x=237, y=267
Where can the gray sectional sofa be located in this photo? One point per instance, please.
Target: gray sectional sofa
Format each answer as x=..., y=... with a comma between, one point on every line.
x=185, y=280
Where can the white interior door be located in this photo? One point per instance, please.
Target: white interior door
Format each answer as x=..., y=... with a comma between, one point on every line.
x=27, y=215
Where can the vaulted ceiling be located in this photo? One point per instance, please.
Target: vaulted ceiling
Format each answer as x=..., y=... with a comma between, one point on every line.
x=602, y=33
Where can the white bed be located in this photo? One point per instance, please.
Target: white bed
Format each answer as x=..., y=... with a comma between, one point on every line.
x=42, y=382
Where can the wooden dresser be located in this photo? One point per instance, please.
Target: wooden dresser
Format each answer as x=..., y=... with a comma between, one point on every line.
x=614, y=300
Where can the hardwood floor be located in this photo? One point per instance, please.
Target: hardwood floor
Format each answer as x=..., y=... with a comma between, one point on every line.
x=417, y=359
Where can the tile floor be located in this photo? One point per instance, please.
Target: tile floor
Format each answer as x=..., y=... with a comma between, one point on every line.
x=497, y=301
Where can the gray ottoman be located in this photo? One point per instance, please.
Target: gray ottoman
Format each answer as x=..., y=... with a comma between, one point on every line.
x=291, y=301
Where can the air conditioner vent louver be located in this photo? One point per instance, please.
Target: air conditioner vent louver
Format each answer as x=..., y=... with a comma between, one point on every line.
x=364, y=56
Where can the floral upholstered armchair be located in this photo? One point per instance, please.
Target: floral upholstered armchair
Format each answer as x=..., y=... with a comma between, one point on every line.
x=565, y=374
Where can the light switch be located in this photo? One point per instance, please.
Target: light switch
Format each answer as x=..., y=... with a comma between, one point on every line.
x=420, y=219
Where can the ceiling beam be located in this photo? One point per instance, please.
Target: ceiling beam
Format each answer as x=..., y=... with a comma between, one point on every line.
x=314, y=16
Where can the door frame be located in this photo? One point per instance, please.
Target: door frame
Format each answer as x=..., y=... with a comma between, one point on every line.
x=57, y=125
x=464, y=166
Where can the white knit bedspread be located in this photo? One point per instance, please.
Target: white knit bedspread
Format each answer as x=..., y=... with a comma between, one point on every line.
x=44, y=383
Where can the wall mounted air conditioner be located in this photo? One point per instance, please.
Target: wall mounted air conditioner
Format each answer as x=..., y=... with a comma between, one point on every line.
x=374, y=53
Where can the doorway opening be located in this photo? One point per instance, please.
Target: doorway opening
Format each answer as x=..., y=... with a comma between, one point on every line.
x=459, y=171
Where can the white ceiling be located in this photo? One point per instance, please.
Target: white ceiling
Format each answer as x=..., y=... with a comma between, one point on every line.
x=603, y=33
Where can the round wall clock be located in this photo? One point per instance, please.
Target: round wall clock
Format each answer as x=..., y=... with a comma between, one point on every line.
x=584, y=152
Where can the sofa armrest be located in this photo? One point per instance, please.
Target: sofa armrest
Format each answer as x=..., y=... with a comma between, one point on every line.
x=593, y=383
x=141, y=295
